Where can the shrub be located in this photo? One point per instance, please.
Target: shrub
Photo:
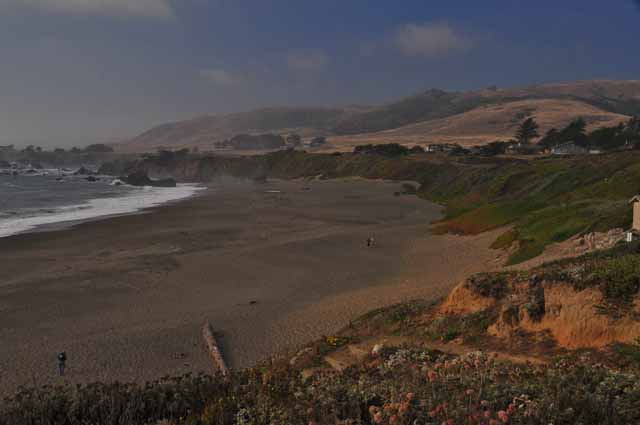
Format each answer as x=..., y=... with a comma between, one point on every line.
x=112, y=404
x=492, y=285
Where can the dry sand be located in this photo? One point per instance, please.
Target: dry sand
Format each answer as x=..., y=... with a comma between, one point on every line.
x=126, y=297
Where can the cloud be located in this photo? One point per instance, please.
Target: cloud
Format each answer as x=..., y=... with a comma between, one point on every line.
x=221, y=77
x=307, y=60
x=119, y=8
x=429, y=40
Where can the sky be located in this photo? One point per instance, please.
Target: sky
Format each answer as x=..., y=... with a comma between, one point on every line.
x=74, y=72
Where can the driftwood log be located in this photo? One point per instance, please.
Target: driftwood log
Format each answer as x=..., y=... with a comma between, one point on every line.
x=214, y=350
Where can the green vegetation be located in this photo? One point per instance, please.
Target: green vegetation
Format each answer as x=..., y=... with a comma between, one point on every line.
x=605, y=138
x=389, y=149
x=616, y=272
x=402, y=386
x=470, y=328
x=492, y=285
x=172, y=399
x=527, y=131
x=505, y=240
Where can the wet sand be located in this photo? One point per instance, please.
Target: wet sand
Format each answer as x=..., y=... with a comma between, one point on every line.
x=126, y=297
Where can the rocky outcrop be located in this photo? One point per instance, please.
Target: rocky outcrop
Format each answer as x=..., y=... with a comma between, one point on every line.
x=141, y=178
x=83, y=171
x=114, y=168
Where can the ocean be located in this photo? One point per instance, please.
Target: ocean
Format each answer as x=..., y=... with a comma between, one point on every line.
x=50, y=200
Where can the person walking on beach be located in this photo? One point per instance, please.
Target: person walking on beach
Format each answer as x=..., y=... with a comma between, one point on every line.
x=370, y=242
x=62, y=360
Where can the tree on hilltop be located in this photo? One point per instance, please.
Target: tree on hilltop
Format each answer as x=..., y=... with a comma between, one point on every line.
x=294, y=140
x=528, y=130
x=575, y=132
x=550, y=139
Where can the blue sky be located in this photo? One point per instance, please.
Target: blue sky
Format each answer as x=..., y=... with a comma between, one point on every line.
x=80, y=71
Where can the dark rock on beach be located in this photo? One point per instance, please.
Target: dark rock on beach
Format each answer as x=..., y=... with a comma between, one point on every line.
x=141, y=178
x=114, y=168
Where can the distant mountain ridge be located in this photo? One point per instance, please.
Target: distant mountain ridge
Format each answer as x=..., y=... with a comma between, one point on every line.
x=606, y=100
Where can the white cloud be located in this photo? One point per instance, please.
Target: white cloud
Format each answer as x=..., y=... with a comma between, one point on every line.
x=220, y=77
x=138, y=8
x=307, y=60
x=429, y=40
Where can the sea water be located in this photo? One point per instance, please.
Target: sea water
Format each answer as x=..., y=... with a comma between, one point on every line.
x=50, y=199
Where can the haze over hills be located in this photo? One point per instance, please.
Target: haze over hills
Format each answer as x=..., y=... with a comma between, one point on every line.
x=468, y=118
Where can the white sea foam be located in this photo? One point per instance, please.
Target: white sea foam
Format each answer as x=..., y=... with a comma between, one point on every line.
x=136, y=200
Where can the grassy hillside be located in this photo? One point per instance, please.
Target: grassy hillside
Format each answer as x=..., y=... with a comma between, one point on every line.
x=596, y=97
x=203, y=131
x=545, y=200
x=432, y=104
x=488, y=123
x=620, y=97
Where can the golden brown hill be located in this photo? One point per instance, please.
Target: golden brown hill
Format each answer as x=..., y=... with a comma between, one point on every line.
x=487, y=123
x=470, y=117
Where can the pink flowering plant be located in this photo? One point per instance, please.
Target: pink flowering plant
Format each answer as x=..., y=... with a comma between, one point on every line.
x=407, y=386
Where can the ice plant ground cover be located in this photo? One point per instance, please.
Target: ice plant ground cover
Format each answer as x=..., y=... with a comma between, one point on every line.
x=407, y=385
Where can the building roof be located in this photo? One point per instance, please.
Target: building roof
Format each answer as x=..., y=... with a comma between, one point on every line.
x=634, y=199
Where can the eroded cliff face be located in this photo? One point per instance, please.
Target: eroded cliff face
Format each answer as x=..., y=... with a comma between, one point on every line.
x=573, y=318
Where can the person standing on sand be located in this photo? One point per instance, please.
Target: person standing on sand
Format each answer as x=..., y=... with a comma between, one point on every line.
x=62, y=360
x=370, y=242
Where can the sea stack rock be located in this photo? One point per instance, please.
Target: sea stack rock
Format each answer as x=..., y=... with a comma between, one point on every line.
x=141, y=178
x=82, y=171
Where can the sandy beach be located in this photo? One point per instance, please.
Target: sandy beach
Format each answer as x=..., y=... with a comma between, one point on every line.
x=270, y=266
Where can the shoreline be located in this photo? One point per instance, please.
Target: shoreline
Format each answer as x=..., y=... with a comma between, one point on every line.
x=130, y=298
x=94, y=209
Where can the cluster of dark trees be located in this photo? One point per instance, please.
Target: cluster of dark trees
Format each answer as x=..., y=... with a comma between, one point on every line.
x=317, y=142
x=388, y=150
x=36, y=155
x=94, y=148
x=294, y=140
x=253, y=142
x=605, y=138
